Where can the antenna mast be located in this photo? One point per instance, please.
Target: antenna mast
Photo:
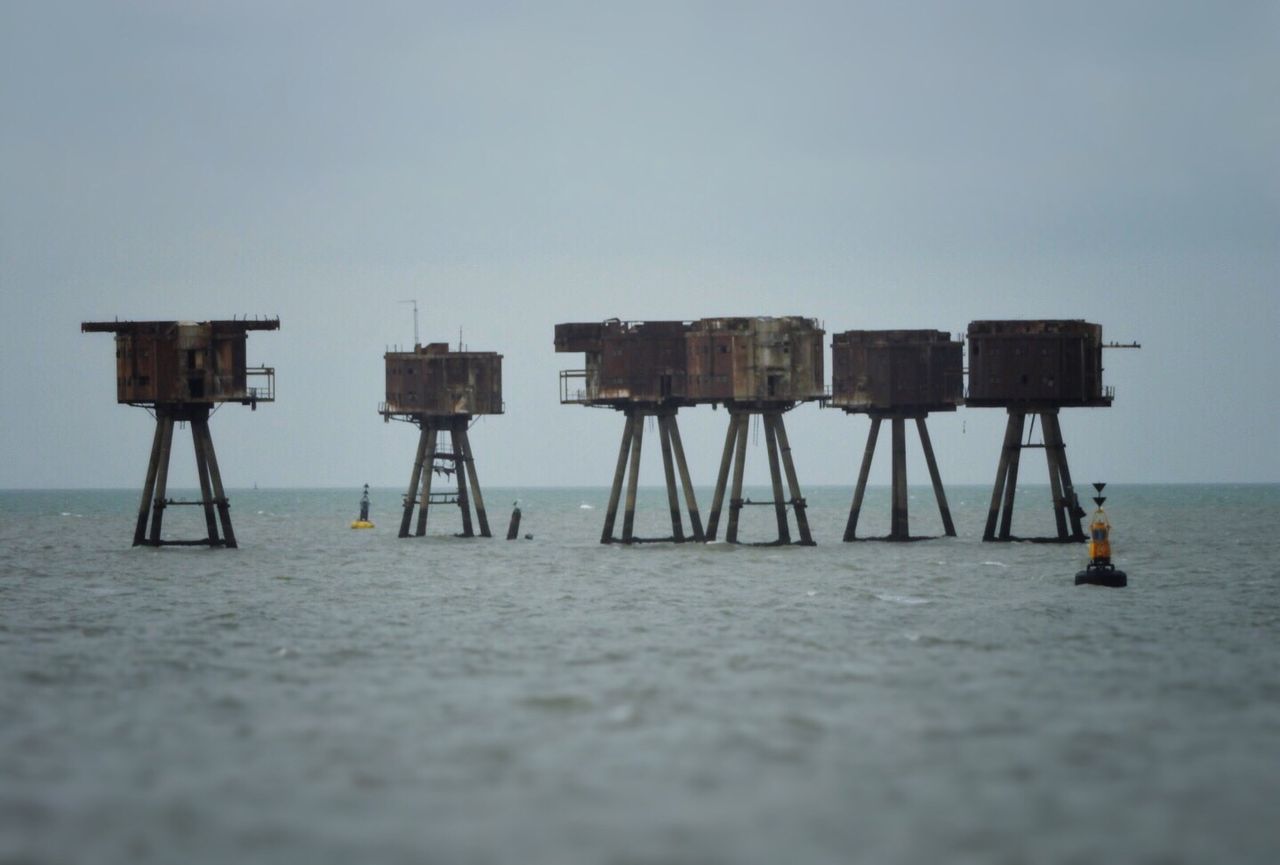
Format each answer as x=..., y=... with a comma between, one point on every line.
x=416, y=342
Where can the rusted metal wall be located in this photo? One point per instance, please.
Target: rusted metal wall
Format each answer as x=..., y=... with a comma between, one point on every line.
x=626, y=361
x=769, y=360
x=435, y=381
x=580, y=336
x=643, y=361
x=180, y=361
x=896, y=371
x=1048, y=361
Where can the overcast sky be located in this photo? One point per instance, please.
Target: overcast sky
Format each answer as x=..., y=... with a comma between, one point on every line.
x=510, y=166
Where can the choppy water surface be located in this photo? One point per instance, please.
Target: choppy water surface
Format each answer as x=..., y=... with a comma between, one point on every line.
x=328, y=695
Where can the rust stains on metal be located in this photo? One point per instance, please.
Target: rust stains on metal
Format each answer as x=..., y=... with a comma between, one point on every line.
x=896, y=371
x=1055, y=362
x=765, y=361
x=626, y=362
x=187, y=362
x=432, y=380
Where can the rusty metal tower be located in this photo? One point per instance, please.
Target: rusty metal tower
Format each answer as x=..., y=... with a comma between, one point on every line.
x=756, y=366
x=640, y=369
x=896, y=375
x=181, y=370
x=1035, y=367
x=440, y=391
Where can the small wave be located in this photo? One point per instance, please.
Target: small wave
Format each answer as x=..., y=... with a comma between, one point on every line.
x=622, y=715
x=902, y=599
x=557, y=703
x=996, y=564
x=586, y=507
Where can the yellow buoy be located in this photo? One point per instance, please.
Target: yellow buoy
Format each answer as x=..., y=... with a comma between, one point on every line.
x=362, y=522
x=1100, y=538
x=1100, y=571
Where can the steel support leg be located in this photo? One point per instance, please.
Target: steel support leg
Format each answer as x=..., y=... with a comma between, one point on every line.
x=460, y=475
x=938, y=492
x=851, y=527
x=1052, y=455
x=673, y=496
x=1071, y=504
x=775, y=479
x=735, y=496
x=1011, y=481
x=695, y=521
x=202, y=472
x=1012, y=441
x=220, y=494
x=900, y=528
x=798, y=503
x=428, y=475
x=162, y=480
x=722, y=479
x=619, y=473
x=414, y=478
x=149, y=485
x=629, y=516
x=476, y=496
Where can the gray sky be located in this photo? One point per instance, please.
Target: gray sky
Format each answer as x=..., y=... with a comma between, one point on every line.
x=516, y=165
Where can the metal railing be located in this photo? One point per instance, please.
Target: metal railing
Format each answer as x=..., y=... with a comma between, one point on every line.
x=577, y=386
x=266, y=392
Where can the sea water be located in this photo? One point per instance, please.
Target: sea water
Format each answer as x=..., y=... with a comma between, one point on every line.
x=328, y=695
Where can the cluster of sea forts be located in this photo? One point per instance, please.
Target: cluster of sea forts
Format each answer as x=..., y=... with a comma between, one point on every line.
x=752, y=366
